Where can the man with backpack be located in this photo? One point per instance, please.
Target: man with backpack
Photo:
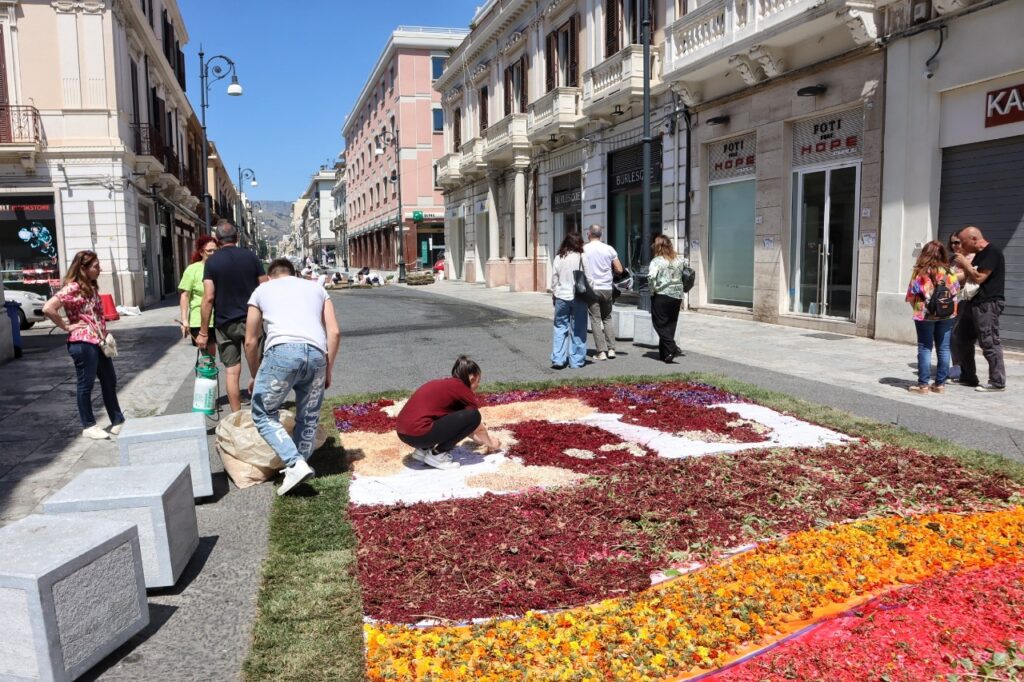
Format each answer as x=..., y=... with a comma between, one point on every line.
x=981, y=324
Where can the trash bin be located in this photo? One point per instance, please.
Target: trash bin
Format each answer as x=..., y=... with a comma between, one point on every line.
x=12, y=312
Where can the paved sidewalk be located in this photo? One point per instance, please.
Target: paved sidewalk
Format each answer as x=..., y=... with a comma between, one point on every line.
x=881, y=369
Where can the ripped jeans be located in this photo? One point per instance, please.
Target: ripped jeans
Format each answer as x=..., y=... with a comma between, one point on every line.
x=285, y=367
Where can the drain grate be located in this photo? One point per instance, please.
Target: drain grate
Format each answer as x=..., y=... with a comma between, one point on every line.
x=828, y=337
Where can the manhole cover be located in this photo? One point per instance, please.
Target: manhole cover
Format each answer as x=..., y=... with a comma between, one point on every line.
x=827, y=337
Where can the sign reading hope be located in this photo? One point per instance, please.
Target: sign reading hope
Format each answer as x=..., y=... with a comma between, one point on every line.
x=1004, y=106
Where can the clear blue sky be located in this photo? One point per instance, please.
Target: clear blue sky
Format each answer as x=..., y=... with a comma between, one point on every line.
x=302, y=65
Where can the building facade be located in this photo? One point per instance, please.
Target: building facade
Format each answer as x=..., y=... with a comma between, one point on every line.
x=318, y=216
x=389, y=181
x=339, y=225
x=954, y=145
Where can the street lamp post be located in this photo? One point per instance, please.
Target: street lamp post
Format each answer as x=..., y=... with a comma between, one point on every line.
x=243, y=175
x=389, y=137
x=643, y=284
x=255, y=208
x=221, y=66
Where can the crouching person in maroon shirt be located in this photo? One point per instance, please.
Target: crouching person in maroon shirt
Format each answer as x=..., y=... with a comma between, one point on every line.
x=442, y=413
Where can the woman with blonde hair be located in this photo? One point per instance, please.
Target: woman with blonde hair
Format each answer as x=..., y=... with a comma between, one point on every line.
x=86, y=328
x=932, y=294
x=665, y=275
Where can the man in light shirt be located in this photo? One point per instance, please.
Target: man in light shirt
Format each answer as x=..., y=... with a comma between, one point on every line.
x=301, y=344
x=602, y=261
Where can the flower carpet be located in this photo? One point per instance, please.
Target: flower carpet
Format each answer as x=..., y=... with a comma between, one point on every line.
x=670, y=531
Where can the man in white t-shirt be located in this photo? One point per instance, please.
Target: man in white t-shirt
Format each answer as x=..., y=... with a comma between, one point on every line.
x=601, y=262
x=301, y=343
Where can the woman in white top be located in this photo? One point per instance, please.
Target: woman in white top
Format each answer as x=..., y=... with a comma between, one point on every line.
x=569, y=340
x=666, y=279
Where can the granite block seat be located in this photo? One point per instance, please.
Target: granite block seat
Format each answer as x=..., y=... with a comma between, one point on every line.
x=643, y=329
x=170, y=438
x=157, y=498
x=623, y=318
x=71, y=591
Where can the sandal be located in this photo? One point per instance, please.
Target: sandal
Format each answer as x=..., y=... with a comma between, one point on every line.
x=938, y=388
x=918, y=388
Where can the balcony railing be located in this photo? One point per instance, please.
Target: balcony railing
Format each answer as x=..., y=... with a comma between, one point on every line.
x=448, y=169
x=554, y=111
x=617, y=79
x=20, y=124
x=147, y=141
x=505, y=136
x=720, y=24
x=473, y=163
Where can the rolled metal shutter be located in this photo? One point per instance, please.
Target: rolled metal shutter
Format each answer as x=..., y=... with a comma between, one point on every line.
x=983, y=185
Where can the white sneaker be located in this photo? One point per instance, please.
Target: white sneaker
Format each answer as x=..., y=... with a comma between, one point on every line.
x=440, y=460
x=95, y=433
x=611, y=352
x=602, y=356
x=989, y=388
x=419, y=454
x=294, y=475
x=115, y=429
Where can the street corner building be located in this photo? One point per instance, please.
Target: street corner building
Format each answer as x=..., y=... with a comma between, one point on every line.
x=99, y=146
x=394, y=209
x=770, y=124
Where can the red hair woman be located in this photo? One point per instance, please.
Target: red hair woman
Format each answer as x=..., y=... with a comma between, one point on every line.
x=191, y=288
x=86, y=328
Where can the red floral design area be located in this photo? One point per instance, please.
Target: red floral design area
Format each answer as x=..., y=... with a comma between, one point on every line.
x=364, y=417
x=578, y=447
x=505, y=554
x=906, y=636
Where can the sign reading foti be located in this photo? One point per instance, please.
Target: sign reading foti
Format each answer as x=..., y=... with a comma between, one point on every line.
x=828, y=138
x=1004, y=106
x=733, y=158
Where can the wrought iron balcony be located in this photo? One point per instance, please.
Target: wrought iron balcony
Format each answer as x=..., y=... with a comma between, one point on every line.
x=473, y=164
x=448, y=169
x=506, y=139
x=147, y=141
x=611, y=85
x=556, y=113
x=21, y=134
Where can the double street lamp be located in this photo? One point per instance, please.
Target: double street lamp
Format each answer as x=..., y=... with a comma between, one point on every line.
x=222, y=67
x=385, y=139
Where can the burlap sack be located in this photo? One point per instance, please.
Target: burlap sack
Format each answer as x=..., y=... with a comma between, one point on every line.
x=247, y=458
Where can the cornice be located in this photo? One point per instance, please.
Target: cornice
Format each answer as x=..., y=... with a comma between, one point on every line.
x=480, y=73
x=75, y=6
x=512, y=42
x=483, y=36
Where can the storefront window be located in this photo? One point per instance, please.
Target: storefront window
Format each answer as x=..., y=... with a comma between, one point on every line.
x=566, y=207
x=28, y=244
x=731, y=244
x=625, y=210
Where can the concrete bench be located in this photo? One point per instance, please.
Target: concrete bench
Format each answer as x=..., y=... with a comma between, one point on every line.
x=157, y=498
x=623, y=318
x=71, y=591
x=170, y=438
x=643, y=329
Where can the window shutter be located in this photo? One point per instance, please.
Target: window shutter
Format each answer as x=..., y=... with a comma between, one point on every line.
x=508, y=91
x=523, y=89
x=611, y=27
x=574, y=51
x=654, y=18
x=549, y=62
x=5, y=111
x=457, y=130
x=484, y=104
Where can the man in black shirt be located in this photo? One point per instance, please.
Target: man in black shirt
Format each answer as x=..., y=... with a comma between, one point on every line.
x=988, y=270
x=230, y=277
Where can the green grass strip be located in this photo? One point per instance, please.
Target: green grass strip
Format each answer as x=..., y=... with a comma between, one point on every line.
x=309, y=619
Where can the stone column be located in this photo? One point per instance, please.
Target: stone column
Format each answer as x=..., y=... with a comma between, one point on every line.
x=496, y=273
x=521, y=276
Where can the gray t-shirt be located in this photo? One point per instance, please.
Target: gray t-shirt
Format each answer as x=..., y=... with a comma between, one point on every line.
x=293, y=311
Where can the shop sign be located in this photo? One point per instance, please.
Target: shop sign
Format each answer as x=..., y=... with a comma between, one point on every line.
x=28, y=243
x=1004, y=106
x=626, y=167
x=733, y=158
x=567, y=201
x=453, y=211
x=829, y=138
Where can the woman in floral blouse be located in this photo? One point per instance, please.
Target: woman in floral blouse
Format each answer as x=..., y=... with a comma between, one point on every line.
x=86, y=328
x=666, y=280
x=932, y=270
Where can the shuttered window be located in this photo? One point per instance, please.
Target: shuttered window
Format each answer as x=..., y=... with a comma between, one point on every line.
x=562, y=60
x=456, y=130
x=516, y=87
x=612, y=20
x=5, y=112
x=983, y=185
x=485, y=103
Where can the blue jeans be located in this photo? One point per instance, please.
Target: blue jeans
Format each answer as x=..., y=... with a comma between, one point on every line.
x=929, y=333
x=569, y=340
x=285, y=367
x=90, y=364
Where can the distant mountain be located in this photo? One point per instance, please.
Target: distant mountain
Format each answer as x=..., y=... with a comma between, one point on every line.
x=276, y=220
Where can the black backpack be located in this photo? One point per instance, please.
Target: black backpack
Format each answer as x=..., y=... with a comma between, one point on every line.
x=941, y=304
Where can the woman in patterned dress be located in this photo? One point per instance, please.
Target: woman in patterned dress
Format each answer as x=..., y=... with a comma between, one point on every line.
x=86, y=328
x=665, y=275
